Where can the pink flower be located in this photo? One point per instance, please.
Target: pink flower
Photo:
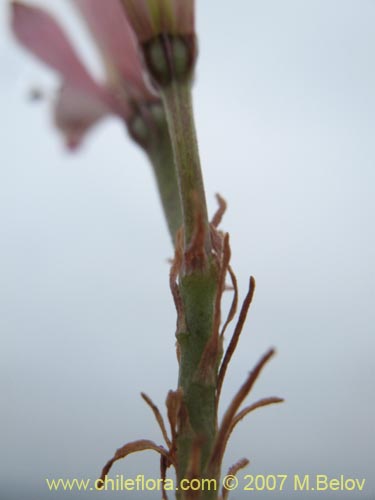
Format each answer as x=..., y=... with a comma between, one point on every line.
x=82, y=100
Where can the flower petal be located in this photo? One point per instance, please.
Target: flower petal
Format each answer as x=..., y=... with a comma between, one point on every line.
x=115, y=37
x=76, y=112
x=139, y=15
x=37, y=31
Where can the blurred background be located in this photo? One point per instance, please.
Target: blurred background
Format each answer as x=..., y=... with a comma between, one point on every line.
x=285, y=110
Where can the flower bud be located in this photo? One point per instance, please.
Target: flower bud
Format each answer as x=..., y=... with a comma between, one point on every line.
x=165, y=31
x=170, y=58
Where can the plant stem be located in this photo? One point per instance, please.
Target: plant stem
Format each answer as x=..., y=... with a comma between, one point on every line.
x=198, y=293
x=177, y=102
x=198, y=288
x=161, y=157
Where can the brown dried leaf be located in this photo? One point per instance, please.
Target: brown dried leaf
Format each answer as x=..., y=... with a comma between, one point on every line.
x=226, y=425
x=221, y=283
x=133, y=447
x=210, y=356
x=195, y=256
x=195, y=459
x=217, y=218
x=173, y=403
x=258, y=404
x=163, y=474
x=158, y=417
x=233, y=307
x=236, y=335
x=241, y=464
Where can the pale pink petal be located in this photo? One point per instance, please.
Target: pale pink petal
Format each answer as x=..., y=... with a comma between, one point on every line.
x=41, y=34
x=115, y=37
x=76, y=112
x=139, y=15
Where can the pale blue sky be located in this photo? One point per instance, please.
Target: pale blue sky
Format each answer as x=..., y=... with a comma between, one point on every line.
x=285, y=107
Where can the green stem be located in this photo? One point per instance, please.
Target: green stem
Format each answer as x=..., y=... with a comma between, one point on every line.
x=198, y=288
x=161, y=157
x=198, y=293
x=177, y=102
